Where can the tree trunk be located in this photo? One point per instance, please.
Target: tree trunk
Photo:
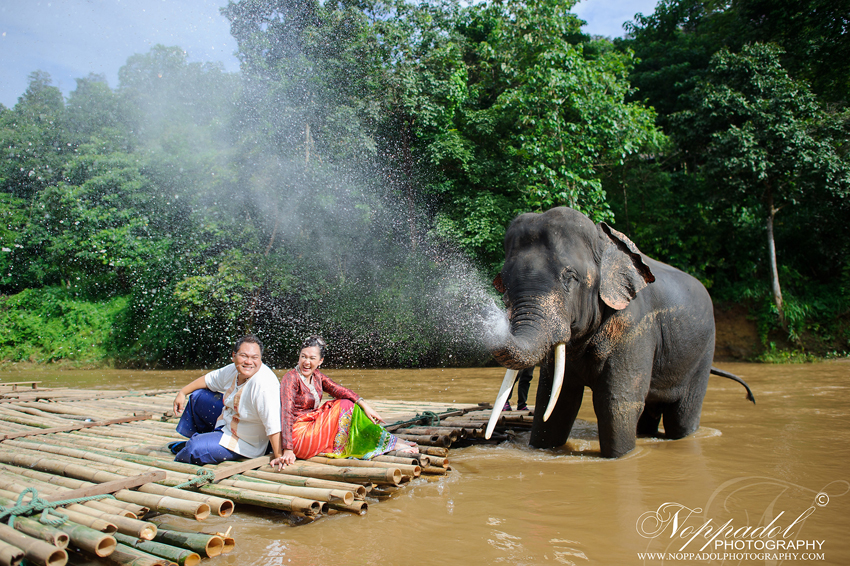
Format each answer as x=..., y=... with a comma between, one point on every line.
x=774, y=271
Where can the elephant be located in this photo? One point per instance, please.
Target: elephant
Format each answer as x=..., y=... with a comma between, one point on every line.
x=593, y=311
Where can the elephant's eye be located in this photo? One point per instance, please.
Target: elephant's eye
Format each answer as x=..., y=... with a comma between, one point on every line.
x=568, y=279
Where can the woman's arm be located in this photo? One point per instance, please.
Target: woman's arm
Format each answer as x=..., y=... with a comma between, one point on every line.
x=286, y=455
x=370, y=412
x=274, y=440
x=180, y=398
x=336, y=390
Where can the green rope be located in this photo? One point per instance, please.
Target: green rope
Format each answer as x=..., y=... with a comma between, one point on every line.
x=204, y=477
x=431, y=418
x=37, y=504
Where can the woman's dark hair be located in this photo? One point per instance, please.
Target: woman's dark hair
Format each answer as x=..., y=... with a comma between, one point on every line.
x=251, y=339
x=317, y=342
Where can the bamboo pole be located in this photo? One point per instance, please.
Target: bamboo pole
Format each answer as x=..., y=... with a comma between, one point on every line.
x=181, y=556
x=88, y=507
x=49, y=534
x=207, y=545
x=358, y=507
x=165, y=504
x=90, y=540
x=108, y=507
x=90, y=470
x=435, y=470
x=434, y=451
x=299, y=505
x=433, y=440
x=10, y=555
x=357, y=490
x=139, y=529
x=451, y=432
x=409, y=470
x=9, y=498
x=188, y=504
x=222, y=507
x=359, y=475
x=79, y=536
x=423, y=459
x=391, y=458
x=126, y=525
x=329, y=495
x=93, y=523
x=129, y=556
x=35, y=550
x=25, y=459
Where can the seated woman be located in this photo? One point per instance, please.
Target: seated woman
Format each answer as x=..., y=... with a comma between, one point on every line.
x=344, y=428
x=232, y=412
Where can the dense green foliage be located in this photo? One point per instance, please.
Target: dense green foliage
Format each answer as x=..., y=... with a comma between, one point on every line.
x=753, y=97
x=52, y=324
x=357, y=176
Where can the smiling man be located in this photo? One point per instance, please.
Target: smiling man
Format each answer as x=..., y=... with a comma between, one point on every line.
x=231, y=412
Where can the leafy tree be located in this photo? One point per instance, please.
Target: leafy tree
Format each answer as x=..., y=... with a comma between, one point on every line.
x=569, y=108
x=760, y=135
x=813, y=36
x=33, y=139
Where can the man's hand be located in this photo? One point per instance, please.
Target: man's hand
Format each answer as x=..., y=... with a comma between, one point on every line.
x=283, y=461
x=179, y=403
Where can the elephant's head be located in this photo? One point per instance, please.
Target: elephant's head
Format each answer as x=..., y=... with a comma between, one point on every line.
x=561, y=272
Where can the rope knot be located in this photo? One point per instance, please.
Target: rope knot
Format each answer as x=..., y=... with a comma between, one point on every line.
x=37, y=504
x=205, y=476
x=433, y=418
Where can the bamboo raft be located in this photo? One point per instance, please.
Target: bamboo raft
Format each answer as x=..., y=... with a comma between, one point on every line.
x=103, y=457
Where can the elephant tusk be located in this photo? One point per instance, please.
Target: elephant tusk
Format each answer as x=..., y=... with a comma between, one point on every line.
x=558, y=380
x=507, y=385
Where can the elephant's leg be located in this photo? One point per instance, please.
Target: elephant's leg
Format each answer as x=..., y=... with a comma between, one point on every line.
x=648, y=422
x=556, y=430
x=617, y=418
x=682, y=417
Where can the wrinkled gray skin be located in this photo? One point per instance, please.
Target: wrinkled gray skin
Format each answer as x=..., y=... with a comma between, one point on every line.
x=638, y=333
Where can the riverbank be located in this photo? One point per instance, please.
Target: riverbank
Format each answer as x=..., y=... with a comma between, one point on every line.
x=50, y=327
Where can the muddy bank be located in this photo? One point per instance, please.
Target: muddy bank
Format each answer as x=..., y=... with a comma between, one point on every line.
x=736, y=336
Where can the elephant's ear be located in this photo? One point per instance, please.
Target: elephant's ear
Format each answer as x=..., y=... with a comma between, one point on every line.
x=497, y=283
x=623, y=271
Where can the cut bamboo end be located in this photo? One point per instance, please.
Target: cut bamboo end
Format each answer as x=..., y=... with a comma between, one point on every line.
x=215, y=546
x=35, y=550
x=105, y=546
x=225, y=508
x=210, y=545
x=58, y=557
x=38, y=530
x=358, y=507
x=203, y=512
x=9, y=554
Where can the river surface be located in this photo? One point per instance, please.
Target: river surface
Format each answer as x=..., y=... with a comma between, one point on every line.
x=781, y=465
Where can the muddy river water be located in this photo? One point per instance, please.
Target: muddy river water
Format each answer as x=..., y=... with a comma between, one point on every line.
x=763, y=484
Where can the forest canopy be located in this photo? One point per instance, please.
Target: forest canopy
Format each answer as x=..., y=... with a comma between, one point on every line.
x=356, y=178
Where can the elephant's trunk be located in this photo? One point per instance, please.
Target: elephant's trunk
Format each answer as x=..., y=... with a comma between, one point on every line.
x=532, y=335
x=519, y=352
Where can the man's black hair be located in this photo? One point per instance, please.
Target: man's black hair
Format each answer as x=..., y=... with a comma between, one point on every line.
x=251, y=339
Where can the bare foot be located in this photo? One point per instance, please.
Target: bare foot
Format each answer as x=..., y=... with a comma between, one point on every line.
x=403, y=447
